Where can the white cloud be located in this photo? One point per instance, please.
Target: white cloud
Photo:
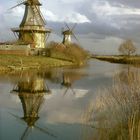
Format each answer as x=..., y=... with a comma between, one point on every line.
x=1, y=9
x=17, y=12
x=69, y=110
x=104, y=8
x=106, y=17
x=49, y=15
x=72, y=1
x=80, y=93
x=72, y=17
x=78, y=18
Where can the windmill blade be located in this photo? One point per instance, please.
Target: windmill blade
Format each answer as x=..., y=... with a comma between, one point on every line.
x=65, y=91
x=17, y=117
x=26, y=133
x=58, y=45
x=17, y=5
x=62, y=29
x=75, y=38
x=41, y=15
x=73, y=91
x=45, y=131
x=47, y=38
x=67, y=26
x=74, y=27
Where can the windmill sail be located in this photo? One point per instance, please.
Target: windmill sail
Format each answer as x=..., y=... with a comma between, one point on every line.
x=68, y=34
x=26, y=133
x=21, y=3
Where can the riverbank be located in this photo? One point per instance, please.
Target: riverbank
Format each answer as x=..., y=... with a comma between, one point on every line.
x=10, y=63
x=118, y=59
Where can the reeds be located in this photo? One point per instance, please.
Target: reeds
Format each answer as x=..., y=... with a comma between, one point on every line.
x=115, y=114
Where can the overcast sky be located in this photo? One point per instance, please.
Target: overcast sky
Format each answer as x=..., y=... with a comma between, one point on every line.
x=102, y=24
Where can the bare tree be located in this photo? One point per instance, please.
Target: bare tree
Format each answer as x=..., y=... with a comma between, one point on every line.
x=127, y=48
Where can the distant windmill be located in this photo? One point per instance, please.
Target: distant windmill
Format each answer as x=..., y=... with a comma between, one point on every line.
x=32, y=28
x=31, y=93
x=68, y=34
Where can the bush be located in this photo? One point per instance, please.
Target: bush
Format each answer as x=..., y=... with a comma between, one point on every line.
x=72, y=52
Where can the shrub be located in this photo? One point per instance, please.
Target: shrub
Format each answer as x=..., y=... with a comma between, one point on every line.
x=72, y=52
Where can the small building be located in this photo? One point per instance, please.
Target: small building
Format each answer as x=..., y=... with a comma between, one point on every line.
x=15, y=49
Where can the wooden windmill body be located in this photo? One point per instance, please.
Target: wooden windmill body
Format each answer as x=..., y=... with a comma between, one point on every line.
x=32, y=28
x=67, y=37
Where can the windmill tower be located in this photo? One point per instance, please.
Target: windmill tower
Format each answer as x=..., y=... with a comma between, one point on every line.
x=31, y=93
x=68, y=34
x=32, y=28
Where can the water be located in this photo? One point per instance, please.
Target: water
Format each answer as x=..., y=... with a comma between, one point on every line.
x=51, y=104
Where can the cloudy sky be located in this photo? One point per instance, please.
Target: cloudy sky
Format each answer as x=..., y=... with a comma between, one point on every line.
x=102, y=24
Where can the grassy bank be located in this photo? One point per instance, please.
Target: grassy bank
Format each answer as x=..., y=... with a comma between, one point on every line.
x=13, y=62
x=118, y=59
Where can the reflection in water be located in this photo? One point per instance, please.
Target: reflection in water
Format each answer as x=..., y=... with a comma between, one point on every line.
x=31, y=91
x=68, y=79
x=63, y=114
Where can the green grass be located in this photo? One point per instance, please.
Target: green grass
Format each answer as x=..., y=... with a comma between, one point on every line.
x=7, y=62
x=119, y=59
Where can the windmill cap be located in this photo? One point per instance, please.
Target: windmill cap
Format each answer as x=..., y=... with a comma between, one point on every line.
x=32, y=2
x=67, y=32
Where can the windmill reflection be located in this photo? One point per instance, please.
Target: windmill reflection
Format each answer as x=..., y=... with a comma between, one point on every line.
x=31, y=92
x=68, y=80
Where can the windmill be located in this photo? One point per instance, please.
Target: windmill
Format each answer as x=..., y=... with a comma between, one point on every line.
x=31, y=93
x=68, y=33
x=32, y=28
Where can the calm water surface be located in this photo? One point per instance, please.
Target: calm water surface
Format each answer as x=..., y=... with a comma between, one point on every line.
x=50, y=105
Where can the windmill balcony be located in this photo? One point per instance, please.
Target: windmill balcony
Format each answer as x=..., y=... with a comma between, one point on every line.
x=31, y=28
